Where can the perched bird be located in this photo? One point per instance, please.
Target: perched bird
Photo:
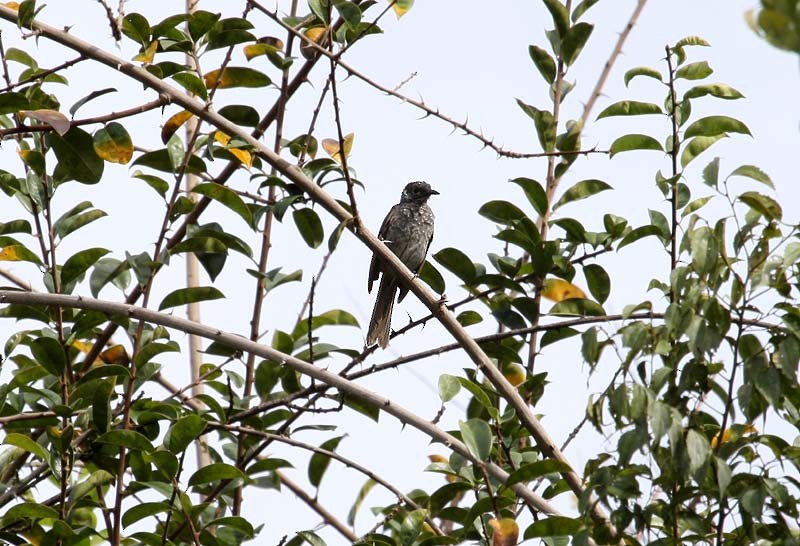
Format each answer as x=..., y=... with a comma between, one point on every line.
x=407, y=230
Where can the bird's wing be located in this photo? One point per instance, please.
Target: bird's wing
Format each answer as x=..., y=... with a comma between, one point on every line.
x=427, y=248
x=374, y=265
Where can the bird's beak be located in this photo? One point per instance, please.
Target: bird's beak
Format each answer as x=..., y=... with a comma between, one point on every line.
x=433, y=192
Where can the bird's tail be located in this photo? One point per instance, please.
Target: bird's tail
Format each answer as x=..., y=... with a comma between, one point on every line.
x=381, y=321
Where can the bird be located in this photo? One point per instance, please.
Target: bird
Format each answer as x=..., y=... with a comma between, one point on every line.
x=408, y=231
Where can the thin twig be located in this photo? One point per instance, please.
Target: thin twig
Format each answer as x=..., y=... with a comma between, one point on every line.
x=434, y=112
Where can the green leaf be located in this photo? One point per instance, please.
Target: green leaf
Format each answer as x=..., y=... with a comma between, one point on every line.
x=705, y=250
x=236, y=76
x=457, y=263
x=30, y=510
x=762, y=204
x=227, y=197
x=113, y=143
x=78, y=263
x=642, y=71
x=184, y=296
x=20, y=56
x=534, y=192
x=695, y=205
x=136, y=27
x=716, y=125
x=143, y=510
x=200, y=22
x=543, y=61
x=582, y=8
x=698, y=449
x=27, y=443
x=362, y=494
x=694, y=71
x=126, y=438
x=577, y=307
x=501, y=212
x=449, y=387
x=18, y=253
x=185, y=431
x=192, y=84
x=159, y=184
x=532, y=471
x=711, y=173
x=630, y=142
x=431, y=276
x=574, y=40
x=719, y=90
x=697, y=146
x=108, y=270
x=319, y=462
x=75, y=218
x=691, y=41
x=477, y=435
x=545, y=125
x=553, y=526
x=215, y=472
x=101, y=397
x=160, y=160
x=754, y=173
x=310, y=536
x=334, y=317
x=320, y=9
x=360, y=405
x=309, y=225
x=11, y=103
x=582, y=190
x=560, y=15
x=638, y=233
x=350, y=14
x=468, y=318
x=91, y=96
x=240, y=114
x=49, y=353
x=630, y=108
x=77, y=159
x=599, y=282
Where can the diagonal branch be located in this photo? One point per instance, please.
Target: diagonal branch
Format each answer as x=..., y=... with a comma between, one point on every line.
x=239, y=343
x=296, y=175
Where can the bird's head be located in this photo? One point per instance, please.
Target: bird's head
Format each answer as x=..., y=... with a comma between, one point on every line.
x=417, y=192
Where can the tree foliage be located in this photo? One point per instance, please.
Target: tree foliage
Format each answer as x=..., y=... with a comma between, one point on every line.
x=94, y=454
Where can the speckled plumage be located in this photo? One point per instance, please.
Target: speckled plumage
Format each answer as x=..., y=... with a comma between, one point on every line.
x=407, y=230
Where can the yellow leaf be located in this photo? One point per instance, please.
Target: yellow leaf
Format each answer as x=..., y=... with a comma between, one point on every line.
x=148, y=54
x=401, y=7
x=264, y=45
x=733, y=433
x=113, y=144
x=222, y=138
x=11, y=254
x=436, y=458
x=506, y=532
x=514, y=373
x=331, y=146
x=55, y=119
x=83, y=346
x=242, y=155
x=315, y=34
x=116, y=354
x=559, y=290
x=173, y=124
x=12, y=5
x=210, y=79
